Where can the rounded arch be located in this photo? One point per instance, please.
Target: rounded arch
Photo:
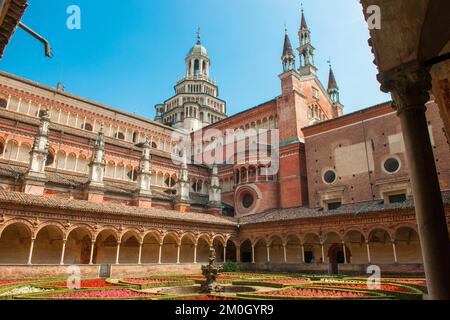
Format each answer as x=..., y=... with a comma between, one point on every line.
x=24, y=152
x=355, y=241
x=203, y=247
x=169, y=251
x=294, y=252
x=260, y=250
x=220, y=238
x=246, y=251
x=11, y=150
x=129, y=247
x=312, y=248
x=276, y=249
x=187, y=249
x=48, y=245
x=150, y=246
x=220, y=248
x=15, y=242
x=407, y=243
x=380, y=243
x=78, y=245
x=106, y=244
x=24, y=222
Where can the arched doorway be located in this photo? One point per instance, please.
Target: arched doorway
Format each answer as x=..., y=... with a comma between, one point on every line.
x=337, y=256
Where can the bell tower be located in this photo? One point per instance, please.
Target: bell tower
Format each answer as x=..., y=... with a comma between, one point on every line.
x=306, y=49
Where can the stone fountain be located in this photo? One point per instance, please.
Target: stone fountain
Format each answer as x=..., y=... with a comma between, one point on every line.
x=211, y=273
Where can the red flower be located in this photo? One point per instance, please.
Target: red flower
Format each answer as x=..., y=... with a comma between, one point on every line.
x=113, y=294
x=99, y=283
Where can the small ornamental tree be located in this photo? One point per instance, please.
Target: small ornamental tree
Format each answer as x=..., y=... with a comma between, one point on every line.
x=230, y=266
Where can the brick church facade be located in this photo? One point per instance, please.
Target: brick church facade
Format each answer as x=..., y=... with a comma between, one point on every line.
x=87, y=184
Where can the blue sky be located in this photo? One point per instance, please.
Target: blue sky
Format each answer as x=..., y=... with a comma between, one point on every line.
x=129, y=54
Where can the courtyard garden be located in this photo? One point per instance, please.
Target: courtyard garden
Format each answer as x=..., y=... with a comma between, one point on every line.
x=249, y=286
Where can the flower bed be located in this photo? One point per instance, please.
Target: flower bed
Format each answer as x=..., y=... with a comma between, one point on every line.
x=309, y=293
x=146, y=283
x=84, y=284
x=105, y=294
x=198, y=297
x=9, y=282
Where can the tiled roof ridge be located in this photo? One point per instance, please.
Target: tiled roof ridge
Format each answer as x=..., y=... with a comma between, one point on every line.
x=21, y=198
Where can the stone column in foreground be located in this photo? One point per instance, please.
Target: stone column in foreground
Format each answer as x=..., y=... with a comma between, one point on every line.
x=410, y=85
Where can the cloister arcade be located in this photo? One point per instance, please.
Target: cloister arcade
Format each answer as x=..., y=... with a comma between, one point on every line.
x=52, y=244
x=353, y=247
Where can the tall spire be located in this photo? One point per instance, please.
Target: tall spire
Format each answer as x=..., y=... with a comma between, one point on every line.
x=288, y=57
x=332, y=84
x=303, y=24
x=333, y=93
x=306, y=49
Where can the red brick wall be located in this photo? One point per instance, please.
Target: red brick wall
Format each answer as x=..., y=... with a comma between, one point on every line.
x=376, y=126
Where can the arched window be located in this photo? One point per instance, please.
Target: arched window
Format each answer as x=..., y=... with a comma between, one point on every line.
x=3, y=103
x=2, y=147
x=154, y=145
x=196, y=67
x=50, y=158
x=135, y=137
x=119, y=135
x=87, y=126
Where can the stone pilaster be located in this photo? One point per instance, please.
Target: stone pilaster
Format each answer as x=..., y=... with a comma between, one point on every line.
x=35, y=178
x=410, y=85
x=95, y=187
x=182, y=202
x=143, y=192
x=215, y=193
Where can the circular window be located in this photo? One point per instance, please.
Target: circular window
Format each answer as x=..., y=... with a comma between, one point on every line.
x=391, y=165
x=329, y=176
x=247, y=201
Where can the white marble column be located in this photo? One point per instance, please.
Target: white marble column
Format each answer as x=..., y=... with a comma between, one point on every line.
x=30, y=256
x=394, y=250
x=92, y=252
x=118, y=252
x=140, y=252
x=63, y=252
